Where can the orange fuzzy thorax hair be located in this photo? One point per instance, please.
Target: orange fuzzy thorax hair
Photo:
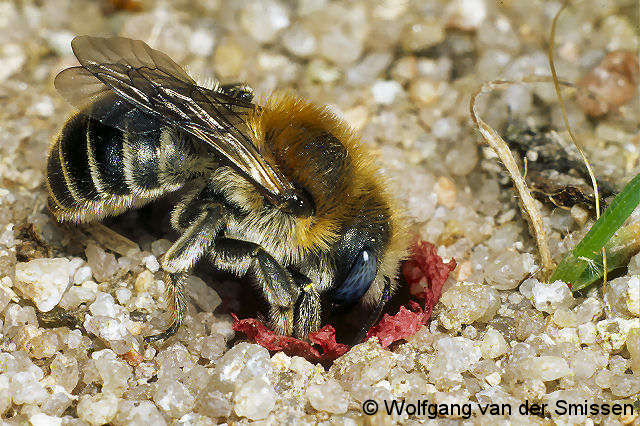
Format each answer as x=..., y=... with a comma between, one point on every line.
x=320, y=153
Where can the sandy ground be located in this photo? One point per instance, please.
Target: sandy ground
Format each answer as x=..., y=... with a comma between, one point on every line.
x=401, y=73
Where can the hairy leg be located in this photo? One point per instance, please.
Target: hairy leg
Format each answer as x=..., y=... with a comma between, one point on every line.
x=307, y=309
x=279, y=287
x=197, y=239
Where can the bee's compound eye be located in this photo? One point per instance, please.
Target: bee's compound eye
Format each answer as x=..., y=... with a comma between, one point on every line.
x=360, y=277
x=299, y=205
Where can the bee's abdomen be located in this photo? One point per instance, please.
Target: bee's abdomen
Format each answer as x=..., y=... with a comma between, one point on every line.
x=105, y=157
x=95, y=170
x=68, y=173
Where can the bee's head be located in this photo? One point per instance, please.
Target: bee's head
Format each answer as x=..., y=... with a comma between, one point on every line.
x=362, y=267
x=362, y=259
x=357, y=270
x=357, y=261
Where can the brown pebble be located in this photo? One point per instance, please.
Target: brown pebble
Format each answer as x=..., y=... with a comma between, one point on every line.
x=132, y=357
x=610, y=84
x=464, y=271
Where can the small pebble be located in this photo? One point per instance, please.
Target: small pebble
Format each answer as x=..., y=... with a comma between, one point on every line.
x=545, y=368
x=549, y=297
x=329, y=397
x=609, y=85
x=493, y=344
x=340, y=48
x=385, y=91
x=255, y=399
x=466, y=15
x=173, y=398
x=151, y=263
x=103, y=264
x=264, y=19
x=422, y=35
x=446, y=191
x=43, y=281
x=98, y=409
x=299, y=41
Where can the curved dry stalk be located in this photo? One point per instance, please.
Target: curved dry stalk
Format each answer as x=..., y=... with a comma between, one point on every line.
x=565, y=119
x=527, y=202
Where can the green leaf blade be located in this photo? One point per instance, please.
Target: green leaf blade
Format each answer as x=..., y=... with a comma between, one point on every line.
x=583, y=265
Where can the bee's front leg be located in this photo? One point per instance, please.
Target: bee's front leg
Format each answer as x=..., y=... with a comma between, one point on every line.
x=196, y=240
x=375, y=314
x=307, y=310
x=278, y=286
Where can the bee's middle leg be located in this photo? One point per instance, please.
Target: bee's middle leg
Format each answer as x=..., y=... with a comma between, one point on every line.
x=196, y=240
x=278, y=285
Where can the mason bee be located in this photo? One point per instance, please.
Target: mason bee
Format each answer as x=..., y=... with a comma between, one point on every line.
x=284, y=191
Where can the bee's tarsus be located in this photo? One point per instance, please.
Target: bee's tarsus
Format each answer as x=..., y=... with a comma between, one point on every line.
x=169, y=332
x=376, y=313
x=307, y=311
x=176, y=303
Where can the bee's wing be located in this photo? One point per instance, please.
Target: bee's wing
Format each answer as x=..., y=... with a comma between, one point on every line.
x=147, y=82
x=92, y=97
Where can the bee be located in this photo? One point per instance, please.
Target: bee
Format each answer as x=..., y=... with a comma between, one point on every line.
x=283, y=191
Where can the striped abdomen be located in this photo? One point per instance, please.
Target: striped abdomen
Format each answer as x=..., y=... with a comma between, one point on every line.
x=94, y=170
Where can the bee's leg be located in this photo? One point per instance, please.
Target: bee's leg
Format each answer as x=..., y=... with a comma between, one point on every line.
x=376, y=313
x=239, y=91
x=177, y=306
x=307, y=309
x=197, y=239
x=276, y=282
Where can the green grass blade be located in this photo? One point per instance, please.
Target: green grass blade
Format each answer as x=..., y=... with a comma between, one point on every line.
x=583, y=265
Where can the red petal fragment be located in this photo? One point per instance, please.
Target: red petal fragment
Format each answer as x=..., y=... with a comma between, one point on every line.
x=260, y=334
x=426, y=273
x=392, y=328
x=326, y=338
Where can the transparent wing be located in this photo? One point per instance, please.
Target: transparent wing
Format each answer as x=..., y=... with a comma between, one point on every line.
x=139, y=81
x=83, y=90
